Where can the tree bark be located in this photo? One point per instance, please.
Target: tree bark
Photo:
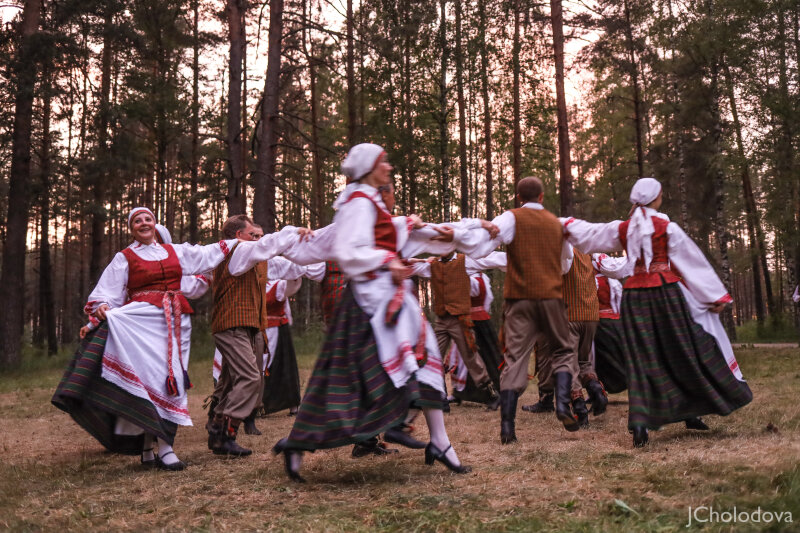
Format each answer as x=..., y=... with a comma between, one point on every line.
x=265, y=180
x=517, y=139
x=235, y=198
x=564, y=155
x=318, y=193
x=12, y=279
x=194, y=165
x=444, y=180
x=487, y=117
x=46, y=303
x=351, y=79
x=633, y=72
x=462, y=115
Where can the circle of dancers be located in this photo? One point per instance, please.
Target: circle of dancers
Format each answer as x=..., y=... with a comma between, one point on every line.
x=658, y=336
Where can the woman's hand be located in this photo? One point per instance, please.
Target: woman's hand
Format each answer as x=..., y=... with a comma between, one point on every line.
x=305, y=233
x=100, y=312
x=446, y=234
x=83, y=332
x=416, y=221
x=718, y=308
x=491, y=228
x=399, y=271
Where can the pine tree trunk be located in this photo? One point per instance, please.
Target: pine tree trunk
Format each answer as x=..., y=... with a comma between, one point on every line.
x=194, y=219
x=487, y=116
x=462, y=115
x=46, y=303
x=235, y=198
x=444, y=179
x=564, y=155
x=633, y=72
x=351, y=79
x=318, y=193
x=12, y=279
x=517, y=140
x=265, y=179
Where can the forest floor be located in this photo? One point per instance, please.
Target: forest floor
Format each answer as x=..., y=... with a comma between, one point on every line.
x=54, y=477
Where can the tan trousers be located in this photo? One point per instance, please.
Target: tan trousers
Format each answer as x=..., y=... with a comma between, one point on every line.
x=448, y=329
x=526, y=322
x=581, y=337
x=241, y=382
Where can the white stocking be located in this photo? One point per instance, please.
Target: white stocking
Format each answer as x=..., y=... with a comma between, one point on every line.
x=439, y=438
x=163, y=450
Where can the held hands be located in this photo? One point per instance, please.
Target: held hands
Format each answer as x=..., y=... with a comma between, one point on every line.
x=446, y=234
x=305, y=234
x=491, y=228
x=100, y=312
x=416, y=221
x=399, y=271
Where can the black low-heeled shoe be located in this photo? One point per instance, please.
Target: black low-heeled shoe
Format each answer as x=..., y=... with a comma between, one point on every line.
x=172, y=467
x=696, y=423
x=280, y=448
x=396, y=435
x=149, y=463
x=640, y=437
x=432, y=453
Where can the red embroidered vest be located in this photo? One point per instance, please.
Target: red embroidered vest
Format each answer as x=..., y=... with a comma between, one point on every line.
x=149, y=280
x=476, y=302
x=385, y=233
x=660, y=271
x=604, y=298
x=276, y=310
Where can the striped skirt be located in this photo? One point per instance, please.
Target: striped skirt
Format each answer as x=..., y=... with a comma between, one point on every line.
x=96, y=404
x=282, y=385
x=609, y=355
x=489, y=351
x=350, y=397
x=675, y=369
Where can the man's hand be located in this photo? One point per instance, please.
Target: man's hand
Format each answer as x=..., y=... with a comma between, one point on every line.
x=446, y=234
x=399, y=271
x=100, y=312
x=305, y=233
x=416, y=221
x=491, y=228
x=416, y=260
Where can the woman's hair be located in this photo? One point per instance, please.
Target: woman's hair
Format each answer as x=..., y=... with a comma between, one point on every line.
x=233, y=224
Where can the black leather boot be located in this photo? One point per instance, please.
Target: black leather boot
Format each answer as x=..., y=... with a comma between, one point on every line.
x=640, y=437
x=563, y=382
x=580, y=410
x=227, y=445
x=597, y=396
x=211, y=403
x=508, y=411
x=250, y=425
x=494, y=398
x=544, y=405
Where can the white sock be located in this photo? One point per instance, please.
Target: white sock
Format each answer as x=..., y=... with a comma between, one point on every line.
x=147, y=448
x=439, y=438
x=296, y=460
x=164, y=450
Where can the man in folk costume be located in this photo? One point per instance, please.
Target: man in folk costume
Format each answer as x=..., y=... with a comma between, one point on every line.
x=538, y=257
x=679, y=362
x=580, y=296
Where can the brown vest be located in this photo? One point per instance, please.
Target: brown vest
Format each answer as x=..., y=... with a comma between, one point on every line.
x=534, y=256
x=450, y=286
x=239, y=301
x=580, y=290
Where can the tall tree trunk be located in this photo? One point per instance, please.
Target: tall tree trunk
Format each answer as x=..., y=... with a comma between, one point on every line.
x=444, y=182
x=564, y=156
x=46, y=303
x=517, y=139
x=318, y=193
x=235, y=198
x=265, y=180
x=752, y=217
x=633, y=72
x=462, y=115
x=408, y=123
x=351, y=79
x=12, y=279
x=487, y=116
x=194, y=166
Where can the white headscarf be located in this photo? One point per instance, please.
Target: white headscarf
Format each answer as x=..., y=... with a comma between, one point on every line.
x=137, y=210
x=641, y=229
x=163, y=232
x=360, y=161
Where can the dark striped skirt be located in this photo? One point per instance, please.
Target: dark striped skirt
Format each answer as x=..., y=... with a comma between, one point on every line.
x=675, y=369
x=350, y=397
x=609, y=355
x=489, y=351
x=95, y=404
x=282, y=385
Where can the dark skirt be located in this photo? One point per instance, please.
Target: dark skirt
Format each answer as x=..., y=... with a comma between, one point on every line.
x=675, y=369
x=282, y=385
x=350, y=397
x=609, y=355
x=489, y=351
x=95, y=403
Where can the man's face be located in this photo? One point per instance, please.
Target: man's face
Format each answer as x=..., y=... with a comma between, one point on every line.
x=246, y=233
x=257, y=233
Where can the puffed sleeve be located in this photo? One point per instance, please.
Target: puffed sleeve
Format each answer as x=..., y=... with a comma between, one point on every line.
x=315, y=271
x=281, y=268
x=317, y=248
x=495, y=260
x=194, y=287
x=467, y=235
x=111, y=288
x=421, y=269
x=248, y=254
x=613, y=267
x=197, y=258
x=589, y=237
x=354, y=249
x=697, y=273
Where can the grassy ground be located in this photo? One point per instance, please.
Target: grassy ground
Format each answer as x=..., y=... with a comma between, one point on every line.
x=54, y=477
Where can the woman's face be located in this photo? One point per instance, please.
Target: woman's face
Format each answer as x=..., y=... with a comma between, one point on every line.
x=382, y=174
x=143, y=227
x=656, y=204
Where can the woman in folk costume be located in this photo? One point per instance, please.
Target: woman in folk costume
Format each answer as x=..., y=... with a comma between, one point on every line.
x=609, y=358
x=127, y=384
x=680, y=364
x=379, y=354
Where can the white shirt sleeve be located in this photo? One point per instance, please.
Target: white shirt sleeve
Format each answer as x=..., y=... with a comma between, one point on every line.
x=796, y=294
x=590, y=238
x=567, y=255
x=318, y=248
x=614, y=267
x=111, y=288
x=315, y=271
x=248, y=254
x=467, y=232
x=291, y=286
x=281, y=268
x=421, y=269
x=495, y=260
x=697, y=273
x=354, y=249
x=196, y=258
x=194, y=287
x=615, y=288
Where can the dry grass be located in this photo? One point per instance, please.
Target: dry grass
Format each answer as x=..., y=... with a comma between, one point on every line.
x=54, y=477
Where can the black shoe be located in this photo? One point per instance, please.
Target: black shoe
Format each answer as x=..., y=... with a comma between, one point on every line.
x=597, y=396
x=432, y=453
x=250, y=426
x=563, y=401
x=149, y=463
x=228, y=446
x=580, y=410
x=371, y=447
x=696, y=423
x=446, y=405
x=508, y=412
x=640, y=437
x=280, y=448
x=544, y=405
x=494, y=398
x=398, y=436
x=173, y=467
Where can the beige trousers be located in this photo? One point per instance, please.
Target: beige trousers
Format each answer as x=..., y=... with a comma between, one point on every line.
x=241, y=382
x=448, y=329
x=581, y=337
